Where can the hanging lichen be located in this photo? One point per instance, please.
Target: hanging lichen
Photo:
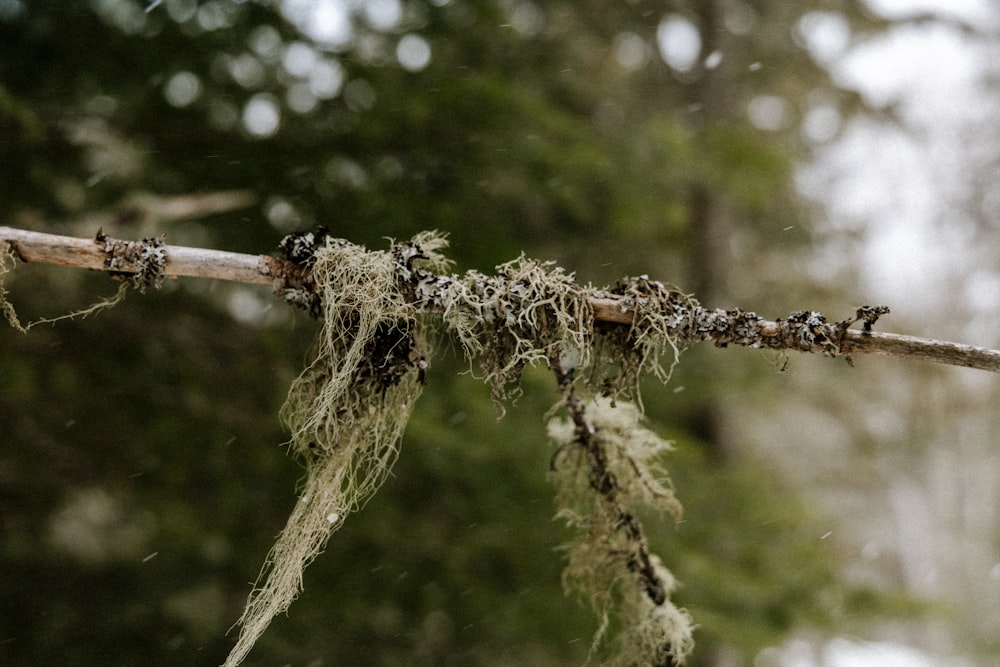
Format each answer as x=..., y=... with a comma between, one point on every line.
x=605, y=468
x=348, y=409
x=624, y=354
x=607, y=464
x=533, y=312
x=7, y=261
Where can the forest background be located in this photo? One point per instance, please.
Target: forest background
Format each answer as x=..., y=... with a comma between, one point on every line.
x=712, y=144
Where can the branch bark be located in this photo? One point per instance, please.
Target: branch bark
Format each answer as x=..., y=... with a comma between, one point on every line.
x=44, y=248
x=806, y=332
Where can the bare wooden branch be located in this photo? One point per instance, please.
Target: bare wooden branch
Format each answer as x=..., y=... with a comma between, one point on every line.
x=807, y=334
x=181, y=261
x=942, y=352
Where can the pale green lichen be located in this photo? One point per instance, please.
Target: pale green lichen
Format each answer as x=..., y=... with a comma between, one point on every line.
x=346, y=411
x=633, y=455
x=625, y=354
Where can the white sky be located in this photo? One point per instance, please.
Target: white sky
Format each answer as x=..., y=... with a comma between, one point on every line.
x=974, y=10
x=894, y=185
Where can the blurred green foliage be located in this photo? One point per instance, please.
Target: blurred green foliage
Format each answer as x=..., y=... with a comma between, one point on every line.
x=142, y=477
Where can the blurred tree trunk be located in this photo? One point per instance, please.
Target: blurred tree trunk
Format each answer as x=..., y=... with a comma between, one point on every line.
x=712, y=220
x=712, y=214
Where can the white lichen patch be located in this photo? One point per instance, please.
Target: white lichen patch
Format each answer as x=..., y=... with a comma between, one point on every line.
x=633, y=456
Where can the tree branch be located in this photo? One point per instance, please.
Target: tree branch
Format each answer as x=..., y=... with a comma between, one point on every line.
x=803, y=331
x=942, y=352
x=180, y=261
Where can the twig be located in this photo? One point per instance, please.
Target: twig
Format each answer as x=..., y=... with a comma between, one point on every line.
x=804, y=331
x=181, y=261
x=942, y=352
x=148, y=210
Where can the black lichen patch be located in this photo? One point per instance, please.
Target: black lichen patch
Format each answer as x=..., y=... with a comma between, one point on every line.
x=301, y=247
x=391, y=354
x=869, y=315
x=297, y=288
x=140, y=263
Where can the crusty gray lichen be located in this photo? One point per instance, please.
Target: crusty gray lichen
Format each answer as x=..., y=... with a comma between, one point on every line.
x=140, y=263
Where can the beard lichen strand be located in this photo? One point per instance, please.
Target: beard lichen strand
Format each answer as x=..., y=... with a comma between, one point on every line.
x=347, y=410
x=8, y=260
x=604, y=466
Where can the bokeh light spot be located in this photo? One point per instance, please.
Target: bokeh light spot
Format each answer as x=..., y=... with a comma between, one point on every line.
x=413, y=52
x=261, y=115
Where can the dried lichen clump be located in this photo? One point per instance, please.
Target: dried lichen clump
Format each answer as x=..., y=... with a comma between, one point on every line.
x=624, y=354
x=139, y=263
x=606, y=466
x=529, y=312
x=347, y=410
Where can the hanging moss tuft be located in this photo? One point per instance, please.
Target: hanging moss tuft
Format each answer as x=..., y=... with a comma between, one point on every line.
x=347, y=410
